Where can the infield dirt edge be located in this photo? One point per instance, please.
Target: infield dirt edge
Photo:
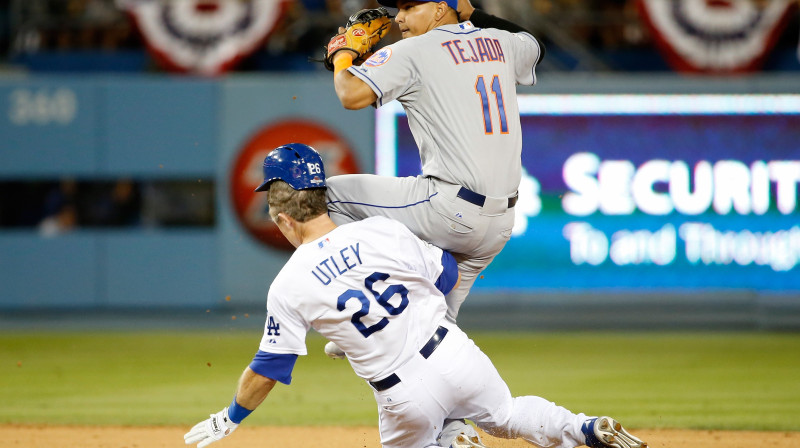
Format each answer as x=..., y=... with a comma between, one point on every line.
x=52, y=436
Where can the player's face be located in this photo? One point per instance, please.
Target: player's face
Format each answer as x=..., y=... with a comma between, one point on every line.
x=415, y=18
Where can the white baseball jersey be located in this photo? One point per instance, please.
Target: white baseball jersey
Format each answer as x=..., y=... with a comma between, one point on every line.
x=368, y=286
x=457, y=84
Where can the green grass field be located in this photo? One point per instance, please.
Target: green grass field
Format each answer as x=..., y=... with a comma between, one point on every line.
x=653, y=380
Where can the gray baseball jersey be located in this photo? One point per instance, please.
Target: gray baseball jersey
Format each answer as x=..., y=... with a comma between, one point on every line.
x=457, y=84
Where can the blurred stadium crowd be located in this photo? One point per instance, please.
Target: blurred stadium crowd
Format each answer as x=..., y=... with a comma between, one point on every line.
x=581, y=35
x=55, y=207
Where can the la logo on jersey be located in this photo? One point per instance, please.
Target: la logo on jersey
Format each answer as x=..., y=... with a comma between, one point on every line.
x=379, y=58
x=273, y=328
x=466, y=25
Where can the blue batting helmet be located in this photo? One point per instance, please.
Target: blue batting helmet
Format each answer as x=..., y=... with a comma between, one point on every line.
x=297, y=164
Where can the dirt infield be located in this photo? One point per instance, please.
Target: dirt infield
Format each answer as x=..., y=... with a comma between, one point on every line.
x=44, y=436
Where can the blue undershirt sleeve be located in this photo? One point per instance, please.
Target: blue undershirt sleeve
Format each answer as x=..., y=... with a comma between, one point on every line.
x=277, y=366
x=449, y=276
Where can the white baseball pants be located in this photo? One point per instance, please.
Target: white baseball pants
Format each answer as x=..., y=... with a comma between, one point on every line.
x=459, y=381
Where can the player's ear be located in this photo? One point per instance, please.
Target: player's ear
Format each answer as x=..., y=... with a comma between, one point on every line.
x=441, y=9
x=288, y=221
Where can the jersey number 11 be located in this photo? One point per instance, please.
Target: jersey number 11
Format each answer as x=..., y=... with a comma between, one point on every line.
x=480, y=88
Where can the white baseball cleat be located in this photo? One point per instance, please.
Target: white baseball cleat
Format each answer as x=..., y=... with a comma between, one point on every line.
x=334, y=352
x=605, y=432
x=457, y=433
x=462, y=441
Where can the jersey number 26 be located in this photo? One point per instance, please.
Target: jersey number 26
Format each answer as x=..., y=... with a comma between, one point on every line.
x=382, y=298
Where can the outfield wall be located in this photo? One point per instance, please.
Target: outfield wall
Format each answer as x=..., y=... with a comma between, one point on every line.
x=160, y=127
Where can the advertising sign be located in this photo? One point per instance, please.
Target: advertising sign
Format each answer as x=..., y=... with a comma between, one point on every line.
x=629, y=192
x=247, y=172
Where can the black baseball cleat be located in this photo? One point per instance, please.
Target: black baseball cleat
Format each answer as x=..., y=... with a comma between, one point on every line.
x=605, y=432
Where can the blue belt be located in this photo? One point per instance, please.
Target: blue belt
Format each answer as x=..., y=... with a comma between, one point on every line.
x=426, y=351
x=479, y=199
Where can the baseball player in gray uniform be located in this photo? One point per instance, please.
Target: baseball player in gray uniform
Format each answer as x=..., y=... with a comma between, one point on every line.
x=377, y=290
x=457, y=84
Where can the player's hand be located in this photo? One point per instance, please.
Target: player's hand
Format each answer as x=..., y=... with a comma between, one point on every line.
x=208, y=431
x=465, y=10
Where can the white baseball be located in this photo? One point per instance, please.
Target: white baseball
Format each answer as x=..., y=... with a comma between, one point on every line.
x=334, y=352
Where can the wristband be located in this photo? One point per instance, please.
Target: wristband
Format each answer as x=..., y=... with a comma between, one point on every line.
x=342, y=62
x=236, y=412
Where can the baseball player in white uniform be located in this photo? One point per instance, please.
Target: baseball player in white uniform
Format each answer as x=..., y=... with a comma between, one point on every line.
x=377, y=290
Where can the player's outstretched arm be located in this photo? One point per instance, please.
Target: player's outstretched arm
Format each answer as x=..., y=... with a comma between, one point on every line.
x=253, y=389
x=251, y=392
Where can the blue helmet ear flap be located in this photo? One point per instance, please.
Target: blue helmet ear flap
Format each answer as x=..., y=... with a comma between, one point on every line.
x=297, y=164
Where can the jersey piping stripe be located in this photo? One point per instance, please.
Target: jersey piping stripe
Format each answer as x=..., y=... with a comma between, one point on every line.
x=529, y=36
x=474, y=30
x=385, y=206
x=533, y=69
x=379, y=92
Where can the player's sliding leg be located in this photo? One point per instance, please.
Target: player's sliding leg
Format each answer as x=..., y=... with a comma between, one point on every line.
x=544, y=423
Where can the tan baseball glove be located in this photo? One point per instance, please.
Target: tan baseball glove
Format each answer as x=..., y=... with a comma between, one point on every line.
x=363, y=31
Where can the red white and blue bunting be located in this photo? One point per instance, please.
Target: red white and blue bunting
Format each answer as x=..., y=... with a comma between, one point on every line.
x=716, y=36
x=206, y=37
